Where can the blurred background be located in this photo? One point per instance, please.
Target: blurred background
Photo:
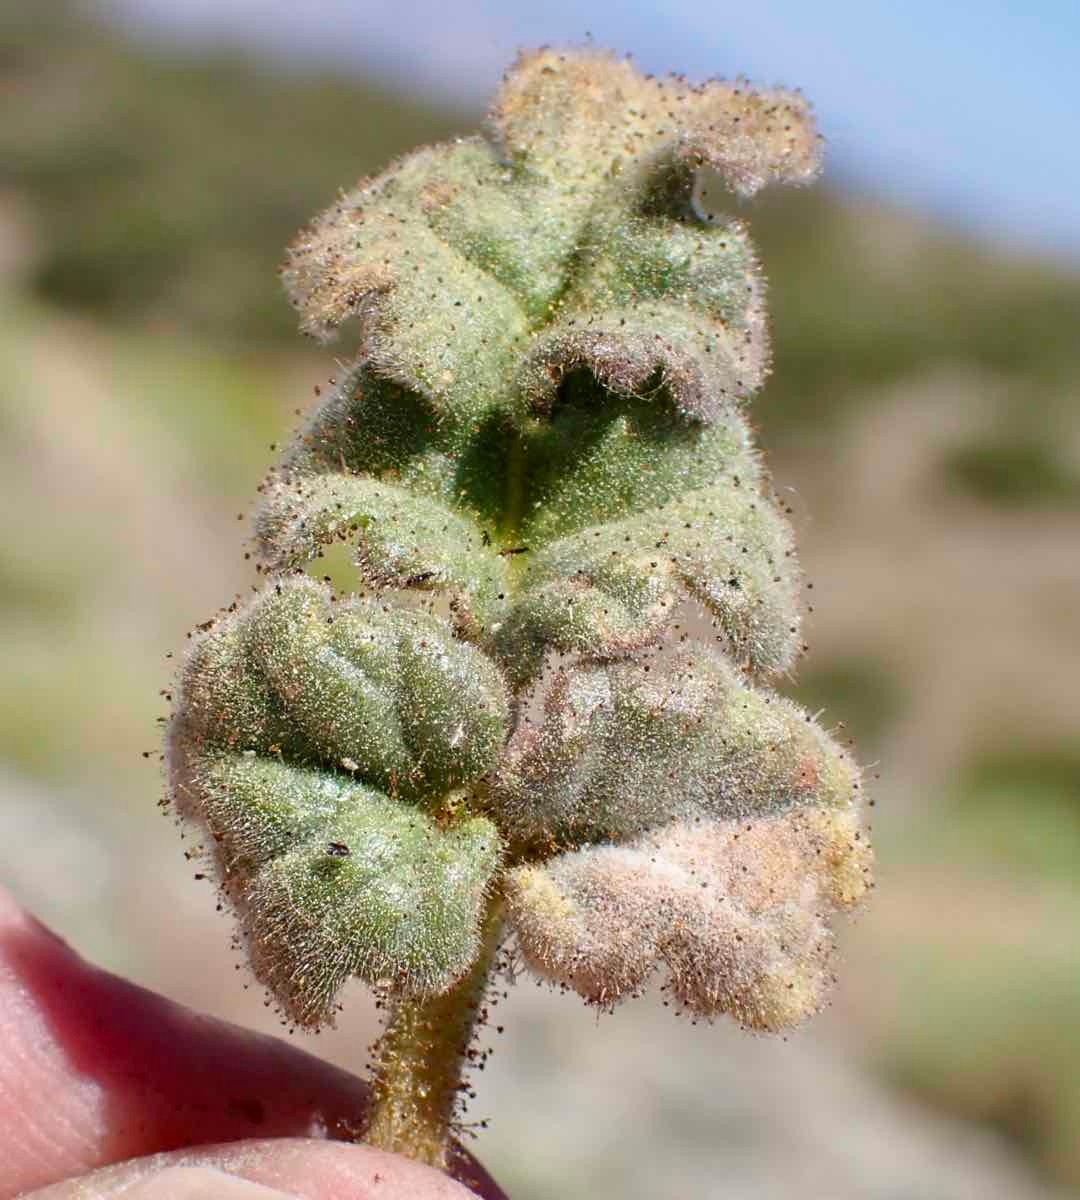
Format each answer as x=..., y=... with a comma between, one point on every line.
x=924, y=413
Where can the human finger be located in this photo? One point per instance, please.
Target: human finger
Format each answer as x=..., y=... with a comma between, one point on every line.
x=95, y=1070
x=277, y=1169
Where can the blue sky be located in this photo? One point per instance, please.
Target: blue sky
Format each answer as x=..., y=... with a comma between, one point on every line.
x=968, y=109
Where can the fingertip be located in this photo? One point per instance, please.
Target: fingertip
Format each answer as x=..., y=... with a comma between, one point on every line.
x=189, y=1183
x=300, y=1169
x=94, y=1069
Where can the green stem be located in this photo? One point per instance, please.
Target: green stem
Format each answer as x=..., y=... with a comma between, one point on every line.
x=422, y=1056
x=514, y=508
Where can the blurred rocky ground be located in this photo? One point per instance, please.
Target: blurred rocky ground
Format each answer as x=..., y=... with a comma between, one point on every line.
x=924, y=421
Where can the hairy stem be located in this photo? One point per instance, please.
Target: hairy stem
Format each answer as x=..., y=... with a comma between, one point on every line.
x=421, y=1059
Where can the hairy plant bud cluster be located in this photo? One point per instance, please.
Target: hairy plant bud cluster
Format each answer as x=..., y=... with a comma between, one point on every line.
x=541, y=464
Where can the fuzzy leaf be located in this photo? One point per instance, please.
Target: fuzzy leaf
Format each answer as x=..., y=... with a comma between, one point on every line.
x=630, y=746
x=576, y=114
x=702, y=823
x=736, y=910
x=382, y=893
x=514, y=290
x=305, y=737
x=624, y=507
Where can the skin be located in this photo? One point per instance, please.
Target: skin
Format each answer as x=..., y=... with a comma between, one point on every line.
x=108, y=1089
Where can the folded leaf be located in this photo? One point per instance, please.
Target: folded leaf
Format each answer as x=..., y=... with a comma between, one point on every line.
x=622, y=508
x=382, y=893
x=558, y=278
x=630, y=746
x=737, y=911
x=328, y=749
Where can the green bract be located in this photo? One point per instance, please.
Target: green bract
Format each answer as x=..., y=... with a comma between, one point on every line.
x=324, y=745
x=540, y=461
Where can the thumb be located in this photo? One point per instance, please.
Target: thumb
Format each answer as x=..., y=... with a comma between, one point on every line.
x=276, y=1169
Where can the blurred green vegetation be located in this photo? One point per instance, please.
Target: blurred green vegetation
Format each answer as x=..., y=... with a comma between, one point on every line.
x=860, y=693
x=150, y=360
x=901, y=292
x=119, y=447
x=1018, y=472
x=165, y=189
x=992, y=1031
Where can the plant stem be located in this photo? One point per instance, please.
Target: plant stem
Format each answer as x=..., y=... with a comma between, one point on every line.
x=514, y=508
x=422, y=1056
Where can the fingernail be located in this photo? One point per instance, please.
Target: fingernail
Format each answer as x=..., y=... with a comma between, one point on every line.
x=199, y=1183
